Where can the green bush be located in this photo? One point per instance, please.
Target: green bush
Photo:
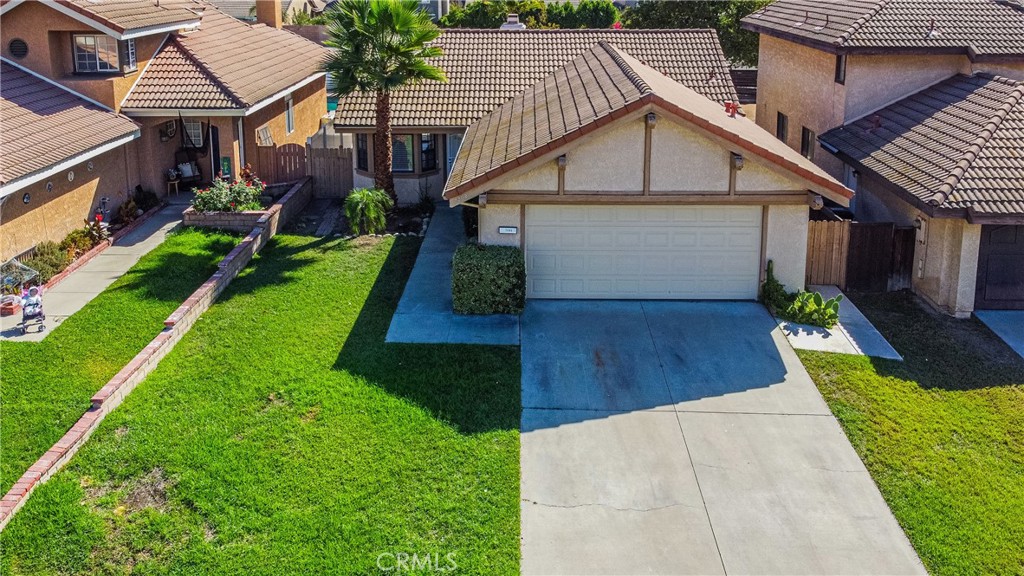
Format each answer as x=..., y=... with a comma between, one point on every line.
x=48, y=259
x=237, y=196
x=488, y=280
x=367, y=210
x=80, y=241
x=801, y=307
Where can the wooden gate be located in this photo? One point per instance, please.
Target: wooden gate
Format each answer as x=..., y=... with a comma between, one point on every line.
x=827, y=247
x=277, y=164
x=861, y=256
x=331, y=169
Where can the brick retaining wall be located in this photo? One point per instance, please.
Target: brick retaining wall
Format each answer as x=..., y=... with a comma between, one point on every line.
x=294, y=201
x=175, y=326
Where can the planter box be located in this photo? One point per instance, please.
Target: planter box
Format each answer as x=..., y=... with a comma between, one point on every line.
x=234, y=221
x=292, y=202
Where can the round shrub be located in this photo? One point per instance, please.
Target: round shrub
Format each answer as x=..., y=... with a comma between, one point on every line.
x=488, y=280
x=223, y=196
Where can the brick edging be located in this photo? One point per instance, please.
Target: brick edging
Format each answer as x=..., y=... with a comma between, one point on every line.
x=132, y=374
x=99, y=248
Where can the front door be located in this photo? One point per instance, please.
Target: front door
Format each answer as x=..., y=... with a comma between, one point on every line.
x=1000, y=269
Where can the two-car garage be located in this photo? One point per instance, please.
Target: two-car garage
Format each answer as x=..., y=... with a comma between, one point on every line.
x=643, y=251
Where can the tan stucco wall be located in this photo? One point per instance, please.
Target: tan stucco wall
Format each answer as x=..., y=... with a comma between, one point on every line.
x=48, y=35
x=613, y=161
x=543, y=178
x=683, y=160
x=799, y=82
x=873, y=82
x=310, y=105
x=786, y=244
x=757, y=176
x=52, y=215
x=946, y=265
x=1013, y=70
x=495, y=215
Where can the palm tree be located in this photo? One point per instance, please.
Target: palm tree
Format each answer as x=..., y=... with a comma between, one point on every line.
x=379, y=47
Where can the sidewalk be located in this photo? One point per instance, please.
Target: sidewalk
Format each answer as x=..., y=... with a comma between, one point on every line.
x=84, y=284
x=425, y=314
x=854, y=334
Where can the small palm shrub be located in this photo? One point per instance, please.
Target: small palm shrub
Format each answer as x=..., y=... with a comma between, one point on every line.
x=49, y=260
x=367, y=210
x=223, y=196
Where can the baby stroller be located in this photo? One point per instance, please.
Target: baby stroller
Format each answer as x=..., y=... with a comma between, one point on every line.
x=32, y=310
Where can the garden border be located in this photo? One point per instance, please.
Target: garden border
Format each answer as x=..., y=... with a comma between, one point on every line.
x=175, y=326
x=99, y=248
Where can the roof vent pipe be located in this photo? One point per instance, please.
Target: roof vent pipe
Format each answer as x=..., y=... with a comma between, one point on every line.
x=512, y=23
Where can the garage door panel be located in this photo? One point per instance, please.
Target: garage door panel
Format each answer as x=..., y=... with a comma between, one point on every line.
x=655, y=252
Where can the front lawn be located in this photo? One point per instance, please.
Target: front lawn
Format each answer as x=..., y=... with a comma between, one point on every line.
x=282, y=436
x=942, y=433
x=46, y=386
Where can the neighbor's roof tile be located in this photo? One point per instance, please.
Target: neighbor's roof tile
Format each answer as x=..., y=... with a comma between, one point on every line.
x=488, y=67
x=124, y=15
x=44, y=124
x=225, y=64
x=958, y=144
x=986, y=27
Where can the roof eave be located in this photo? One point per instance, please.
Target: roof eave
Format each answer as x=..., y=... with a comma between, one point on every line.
x=20, y=182
x=106, y=26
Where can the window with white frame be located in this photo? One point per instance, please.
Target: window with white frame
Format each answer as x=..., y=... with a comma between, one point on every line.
x=289, y=115
x=193, y=132
x=263, y=136
x=130, y=62
x=95, y=53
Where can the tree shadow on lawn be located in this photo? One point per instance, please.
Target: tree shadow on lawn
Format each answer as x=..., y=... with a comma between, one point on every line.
x=475, y=389
x=940, y=352
x=153, y=279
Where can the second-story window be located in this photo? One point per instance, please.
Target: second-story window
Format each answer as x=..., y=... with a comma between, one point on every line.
x=841, y=68
x=130, y=62
x=289, y=115
x=807, y=137
x=781, y=126
x=96, y=53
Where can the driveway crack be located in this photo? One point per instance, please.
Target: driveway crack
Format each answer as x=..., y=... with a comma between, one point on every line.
x=609, y=506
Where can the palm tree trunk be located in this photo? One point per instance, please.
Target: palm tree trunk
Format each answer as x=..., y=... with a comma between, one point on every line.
x=382, y=177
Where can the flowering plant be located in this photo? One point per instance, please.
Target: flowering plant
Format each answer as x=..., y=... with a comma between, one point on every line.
x=238, y=196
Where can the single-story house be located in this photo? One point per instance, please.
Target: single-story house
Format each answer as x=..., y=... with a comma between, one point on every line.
x=948, y=160
x=488, y=67
x=619, y=182
x=59, y=150
x=196, y=87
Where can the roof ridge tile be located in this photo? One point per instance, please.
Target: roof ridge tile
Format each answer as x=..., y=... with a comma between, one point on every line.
x=628, y=70
x=860, y=22
x=971, y=154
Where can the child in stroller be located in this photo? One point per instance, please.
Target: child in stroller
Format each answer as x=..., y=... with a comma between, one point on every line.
x=32, y=309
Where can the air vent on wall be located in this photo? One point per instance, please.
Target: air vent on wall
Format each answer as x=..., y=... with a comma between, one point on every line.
x=18, y=48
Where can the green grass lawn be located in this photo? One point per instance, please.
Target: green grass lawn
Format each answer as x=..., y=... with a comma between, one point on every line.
x=942, y=433
x=46, y=386
x=282, y=436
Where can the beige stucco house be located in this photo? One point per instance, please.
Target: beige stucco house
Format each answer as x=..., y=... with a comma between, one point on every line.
x=874, y=75
x=488, y=67
x=619, y=182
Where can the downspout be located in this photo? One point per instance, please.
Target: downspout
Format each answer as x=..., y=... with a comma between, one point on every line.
x=241, y=145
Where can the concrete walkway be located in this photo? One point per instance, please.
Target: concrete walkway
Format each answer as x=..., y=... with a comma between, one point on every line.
x=687, y=438
x=424, y=314
x=854, y=334
x=1007, y=324
x=81, y=286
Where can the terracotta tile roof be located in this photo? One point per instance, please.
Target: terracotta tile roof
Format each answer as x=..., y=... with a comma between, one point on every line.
x=598, y=87
x=976, y=27
x=225, y=64
x=44, y=124
x=125, y=15
x=487, y=67
x=957, y=145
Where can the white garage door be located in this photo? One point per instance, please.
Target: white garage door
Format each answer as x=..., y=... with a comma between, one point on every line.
x=636, y=252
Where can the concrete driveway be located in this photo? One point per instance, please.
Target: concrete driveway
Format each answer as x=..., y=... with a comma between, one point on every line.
x=687, y=438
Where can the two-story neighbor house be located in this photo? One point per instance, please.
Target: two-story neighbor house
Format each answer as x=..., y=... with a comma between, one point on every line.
x=915, y=104
x=201, y=90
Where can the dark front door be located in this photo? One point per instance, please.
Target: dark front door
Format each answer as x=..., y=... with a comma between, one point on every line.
x=1001, y=268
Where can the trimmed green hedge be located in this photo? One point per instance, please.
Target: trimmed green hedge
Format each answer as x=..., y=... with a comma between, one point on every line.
x=488, y=280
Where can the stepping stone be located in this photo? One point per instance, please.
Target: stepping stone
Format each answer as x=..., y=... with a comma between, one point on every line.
x=328, y=223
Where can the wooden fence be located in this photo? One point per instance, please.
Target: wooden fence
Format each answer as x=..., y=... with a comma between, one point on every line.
x=331, y=169
x=277, y=164
x=862, y=256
